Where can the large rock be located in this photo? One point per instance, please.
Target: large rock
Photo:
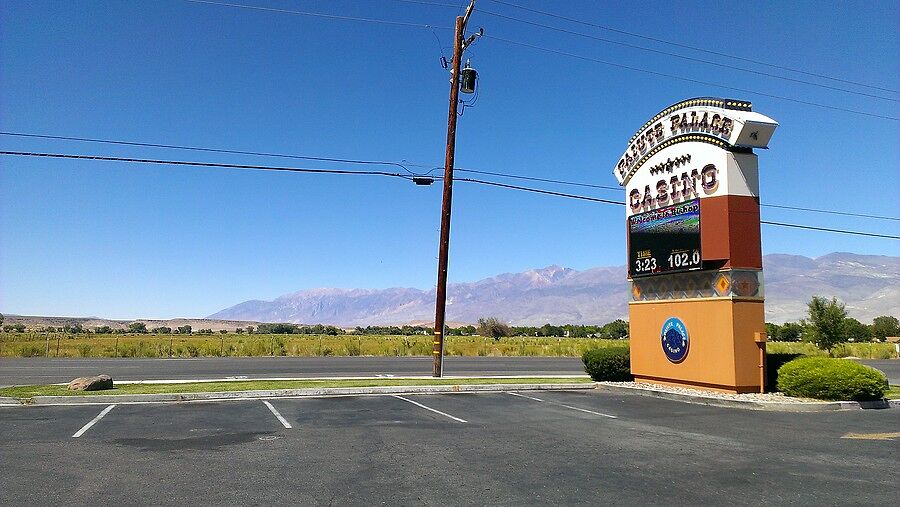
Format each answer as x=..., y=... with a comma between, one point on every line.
x=97, y=383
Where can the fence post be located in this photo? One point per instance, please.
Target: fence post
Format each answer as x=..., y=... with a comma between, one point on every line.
x=47, y=354
x=57, y=346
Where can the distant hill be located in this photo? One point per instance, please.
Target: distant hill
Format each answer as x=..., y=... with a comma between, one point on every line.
x=868, y=284
x=37, y=322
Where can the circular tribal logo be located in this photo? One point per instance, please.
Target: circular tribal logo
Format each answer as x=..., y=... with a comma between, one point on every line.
x=675, y=340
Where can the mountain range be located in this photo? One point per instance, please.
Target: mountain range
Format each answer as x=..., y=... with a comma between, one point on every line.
x=869, y=285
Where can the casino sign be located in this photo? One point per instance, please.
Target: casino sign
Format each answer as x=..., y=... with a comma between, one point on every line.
x=683, y=148
x=692, y=220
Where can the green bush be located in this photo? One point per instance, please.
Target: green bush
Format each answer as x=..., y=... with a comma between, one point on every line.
x=608, y=363
x=84, y=349
x=32, y=351
x=773, y=363
x=831, y=379
x=352, y=348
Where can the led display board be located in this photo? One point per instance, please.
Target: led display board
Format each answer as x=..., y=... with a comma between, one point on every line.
x=665, y=240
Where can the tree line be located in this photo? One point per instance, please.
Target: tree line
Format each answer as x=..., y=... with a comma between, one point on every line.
x=488, y=327
x=828, y=325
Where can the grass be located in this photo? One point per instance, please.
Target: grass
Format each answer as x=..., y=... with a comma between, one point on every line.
x=893, y=393
x=860, y=350
x=254, y=385
x=243, y=345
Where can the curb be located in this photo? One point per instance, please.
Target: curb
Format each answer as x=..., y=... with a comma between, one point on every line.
x=382, y=377
x=293, y=393
x=4, y=401
x=819, y=406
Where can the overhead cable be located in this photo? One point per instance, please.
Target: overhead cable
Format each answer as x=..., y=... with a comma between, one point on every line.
x=316, y=14
x=605, y=201
x=545, y=180
x=541, y=191
x=662, y=41
x=524, y=44
x=202, y=164
x=384, y=173
x=825, y=229
x=687, y=79
x=683, y=57
x=687, y=46
x=209, y=150
x=830, y=212
x=404, y=165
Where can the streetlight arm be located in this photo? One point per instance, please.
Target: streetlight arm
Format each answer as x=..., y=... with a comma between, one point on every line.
x=472, y=38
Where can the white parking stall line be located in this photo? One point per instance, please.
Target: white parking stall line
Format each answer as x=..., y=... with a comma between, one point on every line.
x=586, y=410
x=278, y=415
x=524, y=396
x=93, y=421
x=563, y=405
x=457, y=419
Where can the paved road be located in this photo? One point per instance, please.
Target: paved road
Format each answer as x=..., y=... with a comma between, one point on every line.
x=511, y=450
x=25, y=371
x=890, y=367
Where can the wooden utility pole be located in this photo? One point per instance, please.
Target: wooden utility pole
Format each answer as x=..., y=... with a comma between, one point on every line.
x=441, y=293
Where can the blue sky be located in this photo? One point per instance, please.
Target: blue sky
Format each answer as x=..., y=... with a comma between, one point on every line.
x=126, y=241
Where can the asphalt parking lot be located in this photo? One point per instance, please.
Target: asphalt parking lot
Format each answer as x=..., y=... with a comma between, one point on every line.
x=532, y=448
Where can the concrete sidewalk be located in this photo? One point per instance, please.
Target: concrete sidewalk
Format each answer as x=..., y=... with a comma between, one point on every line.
x=783, y=404
x=106, y=399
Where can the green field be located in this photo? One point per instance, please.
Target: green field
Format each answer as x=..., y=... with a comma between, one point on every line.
x=242, y=345
x=860, y=350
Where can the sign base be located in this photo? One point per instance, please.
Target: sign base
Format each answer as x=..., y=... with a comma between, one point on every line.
x=713, y=348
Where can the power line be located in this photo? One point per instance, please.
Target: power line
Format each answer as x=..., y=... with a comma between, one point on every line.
x=545, y=180
x=572, y=55
x=541, y=191
x=605, y=201
x=316, y=14
x=405, y=166
x=686, y=46
x=209, y=150
x=588, y=185
x=687, y=79
x=683, y=57
x=675, y=55
x=384, y=173
x=831, y=212
x=203, y=164
x=825, y=229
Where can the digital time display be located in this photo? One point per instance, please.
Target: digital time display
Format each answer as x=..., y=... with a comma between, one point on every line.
x=665, y=240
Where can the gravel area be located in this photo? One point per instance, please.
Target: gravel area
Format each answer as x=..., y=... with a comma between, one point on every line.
x=755, y=397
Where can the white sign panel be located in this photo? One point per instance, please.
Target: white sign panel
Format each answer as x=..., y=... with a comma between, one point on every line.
x=694, y=149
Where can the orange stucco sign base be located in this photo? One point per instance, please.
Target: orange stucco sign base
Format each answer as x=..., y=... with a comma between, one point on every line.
x=723, y=355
